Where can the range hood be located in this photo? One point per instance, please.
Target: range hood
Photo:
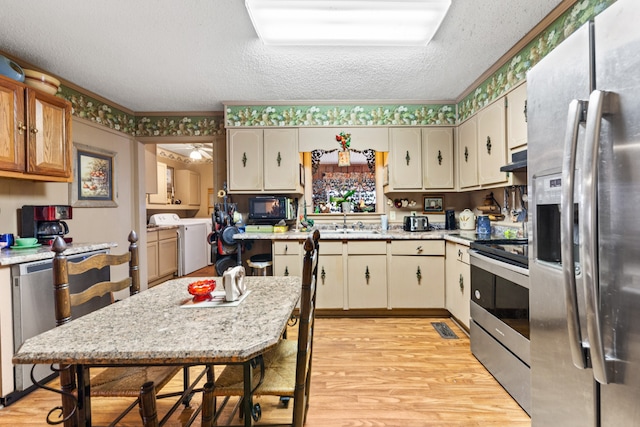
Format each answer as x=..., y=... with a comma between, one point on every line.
x=518, y=162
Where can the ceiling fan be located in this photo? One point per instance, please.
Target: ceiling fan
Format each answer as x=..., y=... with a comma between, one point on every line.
x=198, y=151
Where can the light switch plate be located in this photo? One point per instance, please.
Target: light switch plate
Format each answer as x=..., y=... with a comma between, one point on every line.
x=392, y=216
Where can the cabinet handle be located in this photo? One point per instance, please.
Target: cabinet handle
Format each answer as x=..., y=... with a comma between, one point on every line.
x=34, y=130
x=279, y=159
x=459, y=253
x=488, y=145
x=323, y=274
x=461, y=283
x=244, y=160
x=466, y=154
x=439, y=157
x=419, y=249
x=525, y=111
x=286, y=248
x=407, y=157
x=21, y=128
x=419, y=275
x=286, y=271
x=367, y=276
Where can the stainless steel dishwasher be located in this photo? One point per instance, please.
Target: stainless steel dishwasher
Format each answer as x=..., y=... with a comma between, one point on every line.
x=34, y=311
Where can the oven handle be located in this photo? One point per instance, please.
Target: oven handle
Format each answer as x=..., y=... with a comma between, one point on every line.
x=517, y=275
x=578, y=351
x=588, y=219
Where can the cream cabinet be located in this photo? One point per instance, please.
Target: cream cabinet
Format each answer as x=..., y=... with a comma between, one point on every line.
x=420, y=159
x=162, y=255
x=492, y=144
x=263, y=160
x=330, y=289
x=35, y=138
x=467, y=153
x=517, y=118
x=160, y=198
x=416, y=274
x=458, y=282
x=187, y=187
x=287, y=258
x=367, y=274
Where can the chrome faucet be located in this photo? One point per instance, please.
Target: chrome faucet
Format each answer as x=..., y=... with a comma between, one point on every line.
x=360, y=225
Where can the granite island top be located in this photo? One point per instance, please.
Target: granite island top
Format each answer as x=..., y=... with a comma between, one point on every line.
x=19, y=256
x=457, y=236
x=167, y=333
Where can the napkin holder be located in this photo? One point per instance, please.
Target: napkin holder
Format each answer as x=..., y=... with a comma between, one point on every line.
x=233, y=283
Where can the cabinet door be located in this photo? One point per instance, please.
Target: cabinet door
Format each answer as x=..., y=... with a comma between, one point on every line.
x=287, y=265
x=188, y=187
x=467, y=153
x=49, y=135
x=245, y=159
x=458, y=285
x=330, y=281
x=281, y=159
x=437, y=148
x=160, y=198
x=152, y=261
x=12, y=126
x=416, y=282
x=492, y=148
x=405, y=170
x=517, y=117
x=167, y=256
x=367, y=281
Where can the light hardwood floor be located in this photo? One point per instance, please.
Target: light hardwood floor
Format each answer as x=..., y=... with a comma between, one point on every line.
x=382, y=372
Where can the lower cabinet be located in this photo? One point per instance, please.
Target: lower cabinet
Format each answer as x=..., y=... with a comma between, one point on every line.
x=162, y=255
x=416, y=274
x=330, y=289
x=458, y=282
x=367, y=274
x=287, y=258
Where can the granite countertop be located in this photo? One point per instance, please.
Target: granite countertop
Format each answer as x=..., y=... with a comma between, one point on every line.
x=166, y=333
x=19, y=256
x=161, y=227
x=328, y=234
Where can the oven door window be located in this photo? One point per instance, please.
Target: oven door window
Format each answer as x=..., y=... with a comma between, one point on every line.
x=504, y=299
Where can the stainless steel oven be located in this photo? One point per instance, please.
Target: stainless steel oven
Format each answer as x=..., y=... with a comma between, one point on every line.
x=500, y=314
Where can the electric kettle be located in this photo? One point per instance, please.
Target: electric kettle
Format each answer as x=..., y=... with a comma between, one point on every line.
x=467, y=220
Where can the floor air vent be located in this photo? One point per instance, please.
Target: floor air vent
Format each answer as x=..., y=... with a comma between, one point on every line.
x=444, y=330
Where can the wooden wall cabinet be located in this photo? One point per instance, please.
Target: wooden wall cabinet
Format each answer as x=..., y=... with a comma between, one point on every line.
x=263, y=160
x=421, y=159
x=35, y=140
x=160, y=198
x=162, y=255
x=517, y=118
x=492, y=144
x=187, y=187
x=416, y=274
x=468, y=153
x=458, y=282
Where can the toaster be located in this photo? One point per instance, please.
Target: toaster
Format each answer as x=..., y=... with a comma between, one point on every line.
x=416, y=223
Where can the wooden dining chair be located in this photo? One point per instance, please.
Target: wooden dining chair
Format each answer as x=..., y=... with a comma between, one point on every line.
x=287, y=367
x=112, y=381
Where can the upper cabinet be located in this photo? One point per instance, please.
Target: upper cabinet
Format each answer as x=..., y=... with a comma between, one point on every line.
x=468, y=153
x=264, y=160
x=35, y=137
x=187, y=187
x=420, y=159
x=492, y=144
x=161, y=196
x=517, y=118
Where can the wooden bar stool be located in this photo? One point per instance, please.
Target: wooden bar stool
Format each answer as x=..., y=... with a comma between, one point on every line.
x=259, y=264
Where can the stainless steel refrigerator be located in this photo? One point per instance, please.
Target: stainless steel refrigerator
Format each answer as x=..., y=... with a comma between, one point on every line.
x=583, y=104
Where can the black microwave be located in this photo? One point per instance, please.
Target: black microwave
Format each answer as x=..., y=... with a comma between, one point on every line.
x=271, y=208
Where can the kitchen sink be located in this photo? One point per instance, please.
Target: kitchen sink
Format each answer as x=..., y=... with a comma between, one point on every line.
x=352, y=231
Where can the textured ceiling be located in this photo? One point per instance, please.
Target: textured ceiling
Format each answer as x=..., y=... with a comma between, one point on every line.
x=167, y=55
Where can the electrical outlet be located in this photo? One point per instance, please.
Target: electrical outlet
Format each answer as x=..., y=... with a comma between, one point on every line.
x=392, y=216
x=414, y=213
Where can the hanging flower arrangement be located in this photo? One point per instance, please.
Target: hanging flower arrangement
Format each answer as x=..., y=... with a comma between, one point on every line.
x=344, y=139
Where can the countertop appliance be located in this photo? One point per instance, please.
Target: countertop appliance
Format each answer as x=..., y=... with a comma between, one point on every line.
x=271, y=209
x=499, y=327
x=33, y=310
x=45, y=222
x=584, y=157
x=416, y=223
x=193, y=245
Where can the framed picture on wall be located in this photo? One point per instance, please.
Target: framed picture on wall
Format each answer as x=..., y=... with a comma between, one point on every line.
x=433, y=204
x=94, y=183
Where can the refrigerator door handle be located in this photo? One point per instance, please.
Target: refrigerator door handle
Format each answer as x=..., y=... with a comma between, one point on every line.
x=578, y=351
x=598, y=105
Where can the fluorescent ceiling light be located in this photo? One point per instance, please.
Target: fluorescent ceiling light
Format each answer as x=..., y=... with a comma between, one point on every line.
x=195, y=154
x=347, y=22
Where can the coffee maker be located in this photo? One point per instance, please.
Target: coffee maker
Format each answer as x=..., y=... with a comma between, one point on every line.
x=45, y=222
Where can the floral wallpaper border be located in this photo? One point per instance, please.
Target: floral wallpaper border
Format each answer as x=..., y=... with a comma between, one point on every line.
x=179, y=158
x=500, y=82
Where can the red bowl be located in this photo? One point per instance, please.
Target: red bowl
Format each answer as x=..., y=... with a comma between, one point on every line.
x=201, y=290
